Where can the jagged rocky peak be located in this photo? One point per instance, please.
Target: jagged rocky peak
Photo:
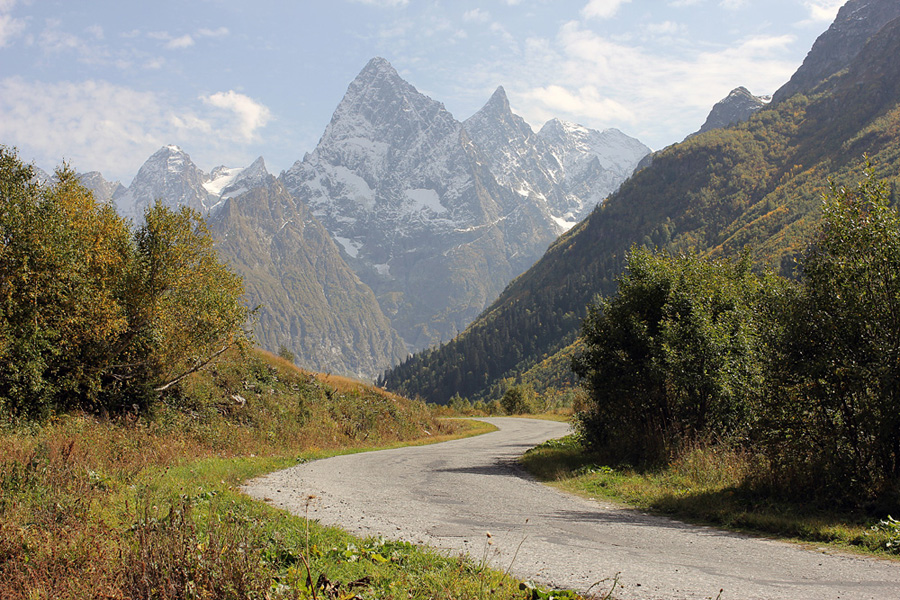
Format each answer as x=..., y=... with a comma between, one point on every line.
x=507, y=141
x=377, y=100
x=40, y=176
x=734, y=108
x=169, y=174
x=576, y=144
x=495, y=112
x=103, y=190
x=229, y=182
x=856, y=22
x=498, y=101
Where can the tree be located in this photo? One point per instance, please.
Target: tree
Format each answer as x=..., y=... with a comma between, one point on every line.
x=63, y=263
x=674, y=356
x=184, y=305
x=93, y=316
x=519, y=400
x=835, y=394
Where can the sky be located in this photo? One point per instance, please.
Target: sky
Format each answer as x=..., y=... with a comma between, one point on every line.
x=102, y=84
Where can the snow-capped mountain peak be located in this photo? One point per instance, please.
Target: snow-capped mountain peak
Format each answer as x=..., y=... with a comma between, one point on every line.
x=170, y=174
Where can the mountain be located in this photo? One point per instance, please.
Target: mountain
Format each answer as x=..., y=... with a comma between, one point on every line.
x=594, y=163
x=756, y=185
x=435, y=215
x=171, y=175
x=229, y=182
x=309, y=300
x=735, y=108
x=432, y=217
x=103, y=190
x=857, y=21
x=564, y=169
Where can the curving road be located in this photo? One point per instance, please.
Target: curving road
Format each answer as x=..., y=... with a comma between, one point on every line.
x=449, y=495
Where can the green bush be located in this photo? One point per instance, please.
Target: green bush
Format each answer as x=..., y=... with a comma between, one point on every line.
x=833, y=410
x=519, y=400
x=675, y=356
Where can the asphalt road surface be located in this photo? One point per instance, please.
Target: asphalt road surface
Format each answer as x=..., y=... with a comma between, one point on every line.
x=451, y=495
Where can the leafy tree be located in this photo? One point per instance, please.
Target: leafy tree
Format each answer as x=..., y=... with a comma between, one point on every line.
x=286, y=353
x=835, y=394
x=94, y=316
x=63, y=263
x=674, y=356
x=184, y=305
x=519, y=400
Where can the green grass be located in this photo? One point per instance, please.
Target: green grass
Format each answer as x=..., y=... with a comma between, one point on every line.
x=148, y=506
x=709, y=486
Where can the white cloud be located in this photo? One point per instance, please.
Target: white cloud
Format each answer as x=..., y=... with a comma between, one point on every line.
x=657, y=96
x=823, y=10
x=184, y=41
x=97, y=125
x=96, y=31
x=9, y=29
x=187, y=40
x=602, y=9
x=664, y=28
x=250, y=114
x=220, y=32
x=476, y=15
x=734, y=4
x=586, y=100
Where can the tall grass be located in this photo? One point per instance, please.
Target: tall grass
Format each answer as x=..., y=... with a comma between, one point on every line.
x=714, y=484
x=147, y=506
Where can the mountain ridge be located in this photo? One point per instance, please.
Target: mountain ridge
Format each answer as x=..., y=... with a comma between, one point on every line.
x=757, y=184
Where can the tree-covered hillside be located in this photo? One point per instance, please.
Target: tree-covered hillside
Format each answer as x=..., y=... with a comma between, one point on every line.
x=756, y=185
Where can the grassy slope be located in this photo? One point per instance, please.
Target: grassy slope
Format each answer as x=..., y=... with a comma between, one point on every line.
x=150, y=507
x=708, y=486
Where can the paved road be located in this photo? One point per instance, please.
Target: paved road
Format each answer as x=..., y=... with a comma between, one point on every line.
x=449, y=495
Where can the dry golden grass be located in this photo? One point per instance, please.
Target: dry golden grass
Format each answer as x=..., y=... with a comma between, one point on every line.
x=86, y=504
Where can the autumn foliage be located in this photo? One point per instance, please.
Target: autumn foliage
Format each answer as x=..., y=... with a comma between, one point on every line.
x=97, y=315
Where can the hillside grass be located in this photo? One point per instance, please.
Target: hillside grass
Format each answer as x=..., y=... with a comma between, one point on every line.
x=148, y=506
x=712, y=486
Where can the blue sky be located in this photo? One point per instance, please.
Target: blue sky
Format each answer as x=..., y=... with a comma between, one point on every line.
x=105, y=83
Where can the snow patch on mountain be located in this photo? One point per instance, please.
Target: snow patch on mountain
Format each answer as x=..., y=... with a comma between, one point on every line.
x=425, y=200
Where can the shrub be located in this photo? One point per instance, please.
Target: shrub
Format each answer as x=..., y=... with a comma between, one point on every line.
x=673, y=357
x=519, y=400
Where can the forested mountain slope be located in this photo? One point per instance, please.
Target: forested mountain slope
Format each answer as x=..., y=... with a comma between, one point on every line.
x=758, y=184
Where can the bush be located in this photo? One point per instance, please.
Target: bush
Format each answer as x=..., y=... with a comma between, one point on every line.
x=519, y=400
x=674, y=357
x=833, y=416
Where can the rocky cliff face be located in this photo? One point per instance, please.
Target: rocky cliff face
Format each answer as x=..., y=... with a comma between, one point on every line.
x=103, y=190
x=171, y=175
x=410, y=197
x=834, y=50
x=735, y=108
x=309, y=300
x=437, y=216
x=594, y=163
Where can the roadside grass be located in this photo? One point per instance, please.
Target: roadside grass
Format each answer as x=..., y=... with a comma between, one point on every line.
x=148, y=506
x=708, y=485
